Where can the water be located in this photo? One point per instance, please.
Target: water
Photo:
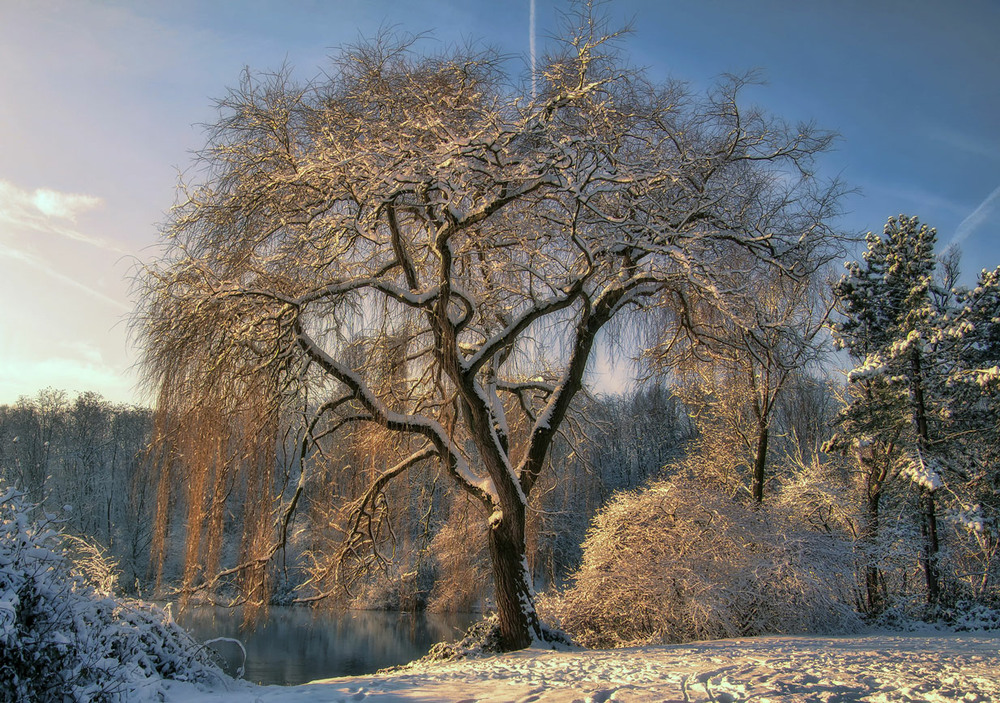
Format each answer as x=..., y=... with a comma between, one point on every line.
x=297, y=645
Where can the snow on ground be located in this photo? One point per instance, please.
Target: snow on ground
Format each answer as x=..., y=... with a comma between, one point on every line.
x=878, y=668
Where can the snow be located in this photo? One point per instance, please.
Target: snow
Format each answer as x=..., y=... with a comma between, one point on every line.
x=61, y=630
x=884, y=667
x=986, y=377
x=872, y=367
x=922, y=472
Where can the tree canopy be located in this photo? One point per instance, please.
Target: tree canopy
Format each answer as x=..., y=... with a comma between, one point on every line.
x=418, y=252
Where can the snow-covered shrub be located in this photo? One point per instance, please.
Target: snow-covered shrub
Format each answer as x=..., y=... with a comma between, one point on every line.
x=481, y=639
x=678, y=562
x=970, y=553
x=971, y=617
x=64, y=637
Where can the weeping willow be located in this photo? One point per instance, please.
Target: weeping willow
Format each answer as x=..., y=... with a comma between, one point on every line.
x=222, y=424
x=416, y=261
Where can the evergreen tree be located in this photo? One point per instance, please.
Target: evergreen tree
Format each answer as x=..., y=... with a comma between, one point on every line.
x=893, y=314
x=973, y=334
x=974, y=330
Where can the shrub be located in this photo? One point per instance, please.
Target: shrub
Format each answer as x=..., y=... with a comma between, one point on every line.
x=677, y=562
x=64, y=637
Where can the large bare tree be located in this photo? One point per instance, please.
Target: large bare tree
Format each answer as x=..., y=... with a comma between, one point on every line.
x=419, y=251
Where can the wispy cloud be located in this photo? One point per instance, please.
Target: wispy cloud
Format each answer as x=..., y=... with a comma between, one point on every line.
x=41, y=265
x=976, y=145
x=47, y=210
x=908, y=197
x=983, y=212
x=62, y=205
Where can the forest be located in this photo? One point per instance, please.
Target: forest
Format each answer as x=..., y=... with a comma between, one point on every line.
x=370, y=337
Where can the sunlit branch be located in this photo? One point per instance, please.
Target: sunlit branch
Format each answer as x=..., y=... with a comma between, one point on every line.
x=481, y=488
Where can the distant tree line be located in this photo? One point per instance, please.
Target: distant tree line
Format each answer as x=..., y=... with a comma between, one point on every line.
x=82, y=460
x=86, y=461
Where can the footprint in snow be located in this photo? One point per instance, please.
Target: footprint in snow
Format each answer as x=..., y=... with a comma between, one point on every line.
x=533, y=696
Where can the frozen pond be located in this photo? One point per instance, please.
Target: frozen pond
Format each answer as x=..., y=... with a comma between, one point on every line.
x=296, y=645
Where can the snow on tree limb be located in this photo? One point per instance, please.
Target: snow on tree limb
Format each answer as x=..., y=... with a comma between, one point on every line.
x=398, y=244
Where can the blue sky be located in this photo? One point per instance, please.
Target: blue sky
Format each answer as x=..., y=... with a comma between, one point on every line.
x=100, y=104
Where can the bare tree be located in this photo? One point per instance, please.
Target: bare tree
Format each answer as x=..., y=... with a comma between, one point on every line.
x=85, y=453
x=426, y=204
x=734, y=374
x=31, y=428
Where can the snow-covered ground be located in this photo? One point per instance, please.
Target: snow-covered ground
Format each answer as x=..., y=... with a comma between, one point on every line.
x=879, y=668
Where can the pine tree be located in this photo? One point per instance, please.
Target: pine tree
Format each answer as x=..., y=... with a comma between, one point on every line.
x=974, y=330
x=973, y=334
x=892, y=318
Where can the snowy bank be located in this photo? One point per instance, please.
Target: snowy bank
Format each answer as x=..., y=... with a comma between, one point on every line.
x=877, y=668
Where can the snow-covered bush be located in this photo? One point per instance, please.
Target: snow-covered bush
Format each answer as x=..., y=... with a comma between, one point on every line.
x=64, y=637
x=970, y=617
x=678, y=562
x=481, y=639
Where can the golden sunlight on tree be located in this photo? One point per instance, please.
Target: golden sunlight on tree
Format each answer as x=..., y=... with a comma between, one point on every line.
x=373, y=261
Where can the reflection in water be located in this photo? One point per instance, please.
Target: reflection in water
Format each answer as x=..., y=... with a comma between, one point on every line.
x=296, y=645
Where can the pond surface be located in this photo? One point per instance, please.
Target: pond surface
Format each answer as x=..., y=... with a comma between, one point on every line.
x=297, y=645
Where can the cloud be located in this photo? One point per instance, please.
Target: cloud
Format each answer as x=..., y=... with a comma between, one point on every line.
x=41, y=265
x=47, y=210
x=909, y=198
x=983, y=212
x=17, y=203
x=976, y=145
x=85, y=351
x=63, y=205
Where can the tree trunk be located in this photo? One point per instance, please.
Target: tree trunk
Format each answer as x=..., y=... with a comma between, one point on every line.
x=519, y=625
x=928, y=530
x=928, y=523
x=873, y=576
x=759, y=464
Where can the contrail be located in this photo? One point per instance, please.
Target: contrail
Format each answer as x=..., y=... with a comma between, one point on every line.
x=41, y=265
x=971, y=223
x=531, y=44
